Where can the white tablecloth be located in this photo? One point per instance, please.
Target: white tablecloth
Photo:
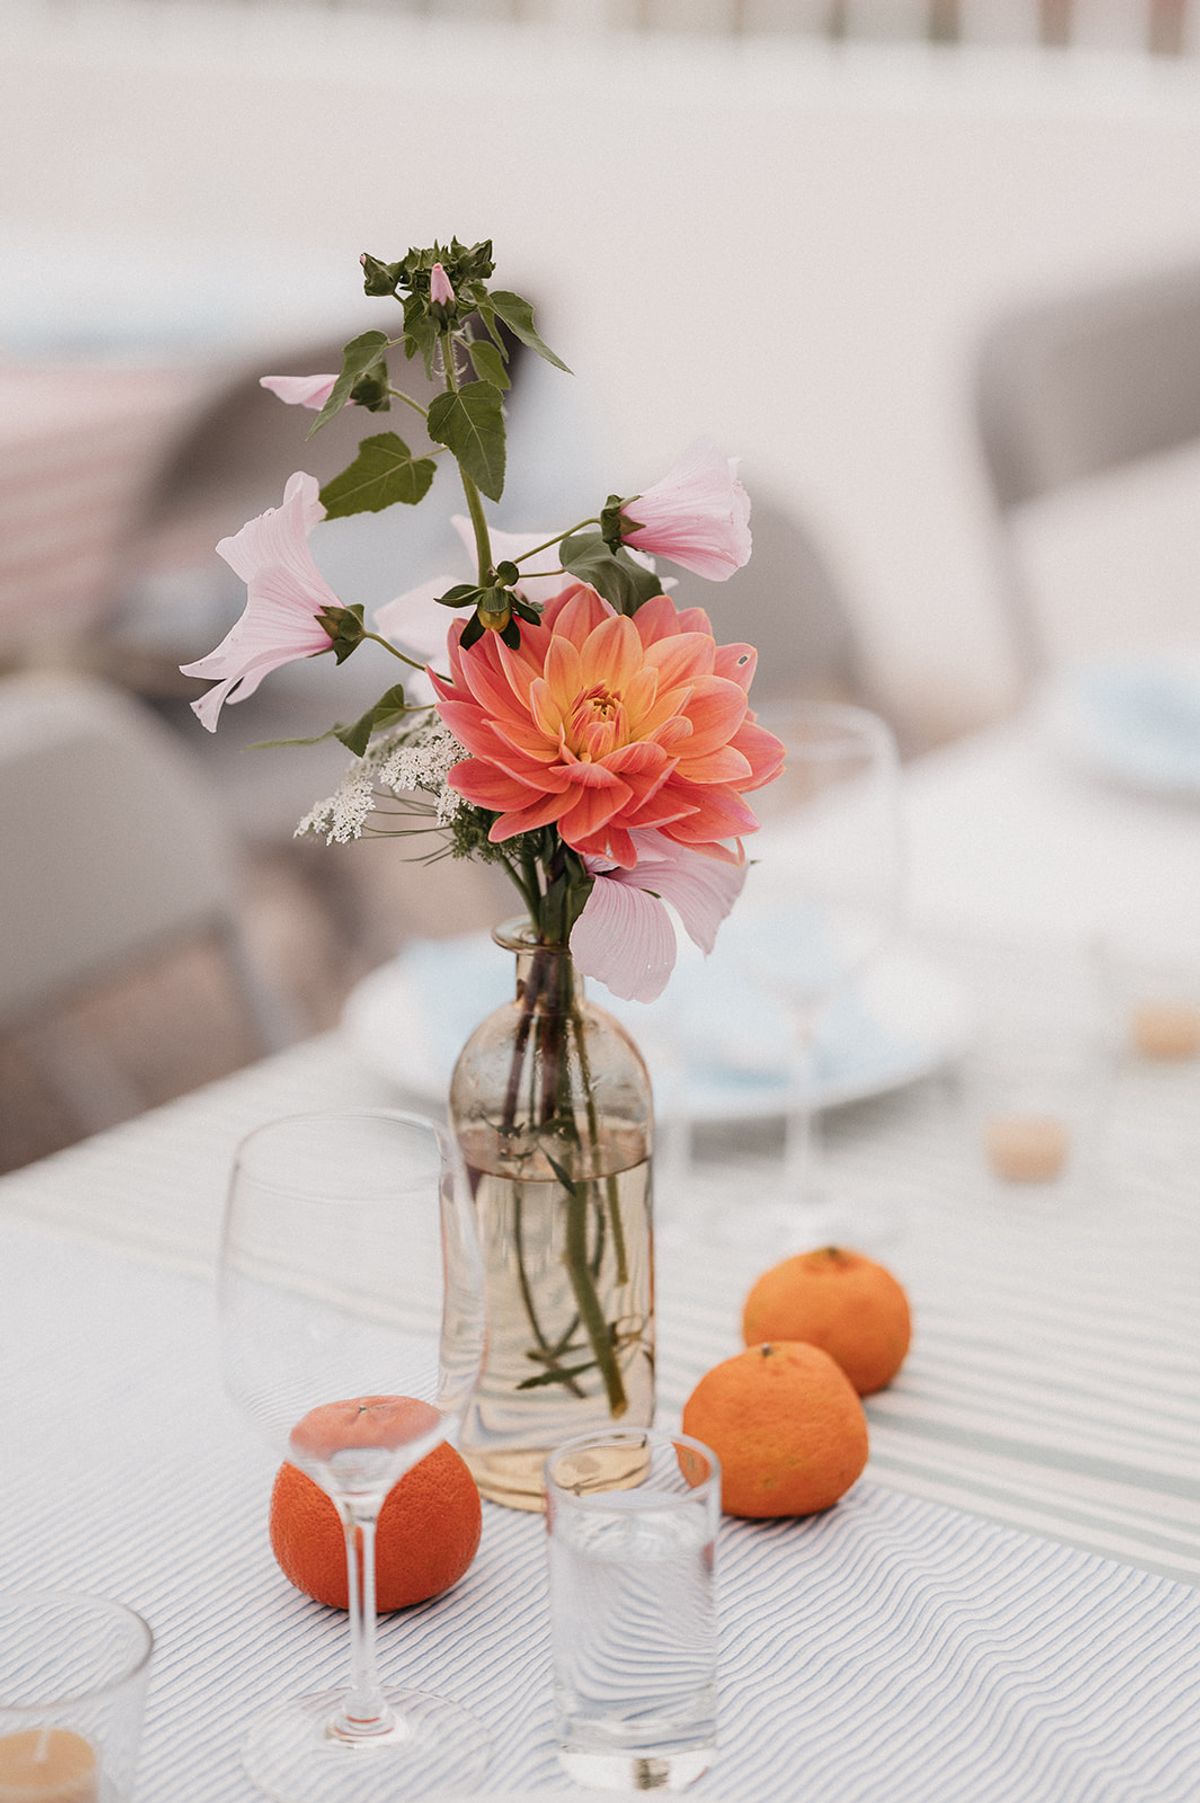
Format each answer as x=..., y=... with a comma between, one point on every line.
x=1054, y=1386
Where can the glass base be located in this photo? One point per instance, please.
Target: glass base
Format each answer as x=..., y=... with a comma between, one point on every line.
x=296, y=1755
x=629, y=1771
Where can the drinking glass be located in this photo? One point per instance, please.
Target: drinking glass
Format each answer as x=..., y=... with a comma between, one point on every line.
x=822, y=900
x=73, y=1675
x=632, y=1520
x=351, y=1275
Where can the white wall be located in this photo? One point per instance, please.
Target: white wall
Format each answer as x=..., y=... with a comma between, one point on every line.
x=788, y=248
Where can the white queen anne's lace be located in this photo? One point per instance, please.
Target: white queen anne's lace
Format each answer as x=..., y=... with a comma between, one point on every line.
x=418, y=761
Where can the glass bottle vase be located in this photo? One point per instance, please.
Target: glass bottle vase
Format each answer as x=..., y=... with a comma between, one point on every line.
x=551, y=1104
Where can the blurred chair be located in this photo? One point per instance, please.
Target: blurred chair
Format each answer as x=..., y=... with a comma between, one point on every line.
x=788, y=604
x=1076, y=387
x=115, y=854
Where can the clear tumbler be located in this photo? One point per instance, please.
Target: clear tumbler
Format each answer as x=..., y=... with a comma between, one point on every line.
x=73, y=1674
x=632, y=1522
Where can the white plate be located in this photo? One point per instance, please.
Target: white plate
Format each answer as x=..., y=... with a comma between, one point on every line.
x=409, y=1018
x=1135, y=721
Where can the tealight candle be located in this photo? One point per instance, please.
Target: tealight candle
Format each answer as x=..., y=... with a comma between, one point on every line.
x=1026, y=1148
x=47, y=1765
x=1166, y=1029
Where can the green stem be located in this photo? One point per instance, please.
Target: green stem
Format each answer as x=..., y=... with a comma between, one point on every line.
x=399, y=395
x=483, y=544
x=610, y=1181
x=404, y=659
x=557, y=539
x=588, y=1302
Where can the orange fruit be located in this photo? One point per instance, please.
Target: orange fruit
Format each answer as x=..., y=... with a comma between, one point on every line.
x=429, y=1527
x=840, y=1301
x=786, y=1425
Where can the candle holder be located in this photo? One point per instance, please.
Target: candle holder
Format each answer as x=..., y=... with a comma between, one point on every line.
x=73, y=1675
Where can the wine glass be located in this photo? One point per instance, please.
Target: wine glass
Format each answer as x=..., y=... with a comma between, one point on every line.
x=822, y=899
x=351, y=1277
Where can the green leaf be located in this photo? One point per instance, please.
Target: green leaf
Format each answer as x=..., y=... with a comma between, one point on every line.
x=357, y=358
x=387, y=710
x=487, y=313
x=615, y=575
x=564, y=1176
x=471, y=634
x=378, y=277
x=489, y=364
x=345, y=628
x=384, y=472
x=471, y=424
x=459, y=595
x=558, y=1374
x=517, y=315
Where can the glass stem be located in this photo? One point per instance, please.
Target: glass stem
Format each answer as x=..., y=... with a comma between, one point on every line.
x=363, y=1712
x=803, y=1145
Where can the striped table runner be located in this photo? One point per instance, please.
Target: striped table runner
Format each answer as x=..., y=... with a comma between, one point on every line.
x=1054, y=1382
x=892, y=1648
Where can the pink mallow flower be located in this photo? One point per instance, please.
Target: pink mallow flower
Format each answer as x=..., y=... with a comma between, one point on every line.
x=625, y=937
x=602, y=725
x=697, y=515
x=440, y=288
x=300, y=391
x=287, y=592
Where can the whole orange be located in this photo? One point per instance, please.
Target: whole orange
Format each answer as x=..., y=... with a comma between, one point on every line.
x=786, y=1425
x=850, y=1307
x=429, y=1527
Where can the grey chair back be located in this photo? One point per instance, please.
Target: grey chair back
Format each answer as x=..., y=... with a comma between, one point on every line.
x=1077, y=386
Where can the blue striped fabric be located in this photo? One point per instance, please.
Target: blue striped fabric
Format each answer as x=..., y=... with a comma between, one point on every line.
x=892, y=1649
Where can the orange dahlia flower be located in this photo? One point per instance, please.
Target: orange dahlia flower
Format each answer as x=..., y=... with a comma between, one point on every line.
x=603, y=725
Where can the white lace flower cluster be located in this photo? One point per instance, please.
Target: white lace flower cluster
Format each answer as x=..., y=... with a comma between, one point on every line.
x=416, y=761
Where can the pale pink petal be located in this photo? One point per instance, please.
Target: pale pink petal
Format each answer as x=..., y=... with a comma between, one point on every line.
x=701, y=891
x=441, y=289
x=416, y=624
x=697, y=515
x=300, y=391
x=624, y=938
x=285, y=595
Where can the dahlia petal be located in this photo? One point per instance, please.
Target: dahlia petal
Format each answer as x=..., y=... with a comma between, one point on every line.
x=694, y=619
x=725, y=765
x=716, y=708
x=737, y=663
x=564, y=675
x=656, y=619
x=719, y=813
x=489, y=787
x=576, y=612
x=527, y=820
x=762, y=749
x=681, y=659
x=612, y=653
x=624, y=938
x=595, y=805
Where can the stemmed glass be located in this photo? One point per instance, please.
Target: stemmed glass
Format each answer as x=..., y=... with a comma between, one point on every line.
x=351, y=1275
x=822, y=899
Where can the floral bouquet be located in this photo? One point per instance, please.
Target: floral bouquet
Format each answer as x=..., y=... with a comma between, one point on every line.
x=568, y=722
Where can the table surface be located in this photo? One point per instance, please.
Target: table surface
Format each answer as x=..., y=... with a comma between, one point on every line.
x=1054, y=1382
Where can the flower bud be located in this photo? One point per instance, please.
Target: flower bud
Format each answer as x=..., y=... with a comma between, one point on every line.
x=440, y=289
